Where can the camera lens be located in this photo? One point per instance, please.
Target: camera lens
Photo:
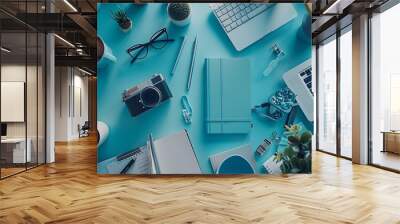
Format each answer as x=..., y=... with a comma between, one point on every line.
x=150, y=96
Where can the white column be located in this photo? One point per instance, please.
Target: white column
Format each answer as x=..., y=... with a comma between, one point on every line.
x=50, y=100
x=360, y=90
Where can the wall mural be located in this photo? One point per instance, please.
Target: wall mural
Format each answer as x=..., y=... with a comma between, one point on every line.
x=187, y=88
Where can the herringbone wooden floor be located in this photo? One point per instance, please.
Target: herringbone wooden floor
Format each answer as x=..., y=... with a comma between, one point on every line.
x=70, y=191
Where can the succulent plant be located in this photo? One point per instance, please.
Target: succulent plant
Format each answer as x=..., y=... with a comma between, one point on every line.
x=179, y=11
x=122, y=19
x=296, y=157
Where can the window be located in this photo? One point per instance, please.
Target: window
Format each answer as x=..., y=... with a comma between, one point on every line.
x=346, y=93
x=394, y=116
x=327, y=96
x=385, y=87
x=22, y=73
x=335, y=94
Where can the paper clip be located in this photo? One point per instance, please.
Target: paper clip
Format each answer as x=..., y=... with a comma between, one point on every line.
x=187, y=110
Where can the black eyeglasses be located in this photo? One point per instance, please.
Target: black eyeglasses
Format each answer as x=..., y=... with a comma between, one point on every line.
x=158, y=40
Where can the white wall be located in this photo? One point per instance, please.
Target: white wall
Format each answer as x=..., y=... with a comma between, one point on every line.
x=33, y=126
x=17, y=73
x=81, y=85
x=70, y=83
x=12, y=73
x=61, y=103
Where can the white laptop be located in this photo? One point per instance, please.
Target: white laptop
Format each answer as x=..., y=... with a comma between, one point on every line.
x=246, y=23
x=299, y=80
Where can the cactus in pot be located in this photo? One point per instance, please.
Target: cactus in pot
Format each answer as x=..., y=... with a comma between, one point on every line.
x=122, y=19
x=179, y=13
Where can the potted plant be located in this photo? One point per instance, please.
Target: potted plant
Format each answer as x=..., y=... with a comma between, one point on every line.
x=122, y=19
x=179, y=13
x=296, y=157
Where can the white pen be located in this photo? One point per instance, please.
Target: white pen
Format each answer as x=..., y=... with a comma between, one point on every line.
x=189, y=82
x=179, y=55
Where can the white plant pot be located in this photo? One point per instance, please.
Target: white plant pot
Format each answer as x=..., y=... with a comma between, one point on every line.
x=103, y=131
x=184, y=22
x=108, y=56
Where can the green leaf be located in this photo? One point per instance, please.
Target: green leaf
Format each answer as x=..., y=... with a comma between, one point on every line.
x=286, y=167
x=306, y=147
x=289, y=152
x=305, y=137
x=294, y=140
x=278, y=157
x=301, y=164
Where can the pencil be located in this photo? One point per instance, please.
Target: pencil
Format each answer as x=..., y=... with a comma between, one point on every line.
x=178, y=57
x=189, y=83
x=128, y=166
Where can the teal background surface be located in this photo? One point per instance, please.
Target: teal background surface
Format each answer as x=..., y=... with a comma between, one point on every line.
x=127, y=132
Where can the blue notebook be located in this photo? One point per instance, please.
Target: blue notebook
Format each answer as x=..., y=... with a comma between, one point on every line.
x=228, y=96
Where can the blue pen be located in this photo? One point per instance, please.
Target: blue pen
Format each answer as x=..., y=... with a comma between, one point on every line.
x=179, y=55
x=189, y=82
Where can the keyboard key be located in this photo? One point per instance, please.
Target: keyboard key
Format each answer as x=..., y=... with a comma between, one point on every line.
x=236, y=14
x=308, y=79
x=227, y=22
x=224, y=17
x=252, y=14
x=215, y=6
x=309, y=85
x=228, y=28
x=233, y=18
x=302, y=74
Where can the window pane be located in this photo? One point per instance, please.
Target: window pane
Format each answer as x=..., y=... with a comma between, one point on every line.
x=385, y=78
x=346, y=94
x=327, y=96
x=13, y=86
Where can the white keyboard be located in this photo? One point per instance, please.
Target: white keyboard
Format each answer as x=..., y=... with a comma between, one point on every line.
x=233, y=15
x=306, y=76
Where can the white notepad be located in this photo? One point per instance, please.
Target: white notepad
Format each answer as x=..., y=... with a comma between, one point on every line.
x=142, y=163
x=173, y=154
